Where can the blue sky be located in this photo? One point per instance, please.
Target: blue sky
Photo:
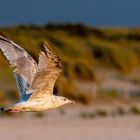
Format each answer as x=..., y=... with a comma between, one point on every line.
x=92, y=12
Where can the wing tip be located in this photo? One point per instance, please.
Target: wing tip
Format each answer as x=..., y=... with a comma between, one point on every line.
x=4, y=37
x=47, y=46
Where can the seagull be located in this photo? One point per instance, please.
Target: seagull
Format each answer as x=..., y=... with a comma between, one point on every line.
x=35, y=82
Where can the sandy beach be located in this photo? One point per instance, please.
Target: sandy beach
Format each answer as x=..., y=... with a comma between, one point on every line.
x=69, y=126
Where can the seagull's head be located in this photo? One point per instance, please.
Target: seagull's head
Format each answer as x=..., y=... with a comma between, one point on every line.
x=63, y=100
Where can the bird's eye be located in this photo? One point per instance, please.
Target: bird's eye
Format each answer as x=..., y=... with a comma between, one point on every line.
x=65, y=99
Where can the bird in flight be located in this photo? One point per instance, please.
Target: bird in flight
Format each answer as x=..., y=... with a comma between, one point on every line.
x=35, y=82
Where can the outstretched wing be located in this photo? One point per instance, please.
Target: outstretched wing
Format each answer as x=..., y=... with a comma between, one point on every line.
x=24, y=64
x=49, y=68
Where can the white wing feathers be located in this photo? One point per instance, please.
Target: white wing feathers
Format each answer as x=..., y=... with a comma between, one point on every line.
x=18, y=58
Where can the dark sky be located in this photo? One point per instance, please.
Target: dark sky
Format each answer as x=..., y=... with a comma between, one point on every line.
x=93, y=12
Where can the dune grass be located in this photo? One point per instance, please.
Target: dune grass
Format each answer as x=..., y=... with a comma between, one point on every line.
x=81, y=48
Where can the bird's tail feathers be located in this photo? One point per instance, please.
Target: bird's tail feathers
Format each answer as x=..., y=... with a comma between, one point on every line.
x=2, y=108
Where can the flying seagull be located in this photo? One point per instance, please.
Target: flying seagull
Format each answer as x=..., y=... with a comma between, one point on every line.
x=35, y=82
